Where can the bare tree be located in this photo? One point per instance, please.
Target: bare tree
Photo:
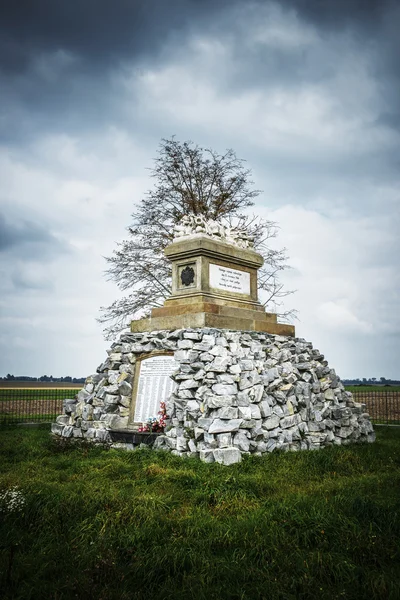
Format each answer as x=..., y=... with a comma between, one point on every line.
x=189, y=179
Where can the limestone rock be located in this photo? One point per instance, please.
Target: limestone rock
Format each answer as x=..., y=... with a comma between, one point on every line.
x=221, y=426
x=219, y=401
x=271, y=422
x=224, y=389
x=207, y=456
x=227, y=456
x=124, y=388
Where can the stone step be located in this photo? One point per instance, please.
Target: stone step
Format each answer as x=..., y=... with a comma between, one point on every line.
x=209, y=319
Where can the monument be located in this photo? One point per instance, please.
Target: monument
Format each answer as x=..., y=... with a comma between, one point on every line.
x=232, y=379
x=214, y=283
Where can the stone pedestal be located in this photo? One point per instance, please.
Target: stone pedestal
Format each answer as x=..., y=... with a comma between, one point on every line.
x=214, y=284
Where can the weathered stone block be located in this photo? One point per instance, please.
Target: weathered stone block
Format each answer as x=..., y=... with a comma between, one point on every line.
x=69, y=405
x=228, y=412
x=256, y=393
x=219, y=401
x=271, y=422
x=116, y=422
x=220, y=364
x=224, y=440
x=210, y=440
x=204, y=423
x=224, y=389
x=243, y=398
x=57, y=428
x=207, y=456
x=265, y=408
x=181, y=444
x=111, y=399
x=241, y=441
x=244, y=412
x=255, y=411
x=248, y=424
x=185, y=344
x=125, y=389
x=198, y=433
x=227, y=456
x=67, y=431
x=221, y=426
x=290, y=421
x=189, y=384
x=125, y=401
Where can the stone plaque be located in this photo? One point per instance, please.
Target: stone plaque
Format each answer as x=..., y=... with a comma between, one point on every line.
x=230, y=280
x=154, y=385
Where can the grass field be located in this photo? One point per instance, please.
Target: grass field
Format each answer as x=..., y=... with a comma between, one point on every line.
x=35, y=395
x=143, y=525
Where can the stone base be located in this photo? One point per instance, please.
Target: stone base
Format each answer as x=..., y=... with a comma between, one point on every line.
x=210, y=314
x=237, y=393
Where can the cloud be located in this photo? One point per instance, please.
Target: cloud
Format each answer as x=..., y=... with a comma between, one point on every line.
x=31, y=276
x=338, y=316
x=64, y=65
x=100, y=34
x=354, y=14
x=346, y=274
x=29, y=239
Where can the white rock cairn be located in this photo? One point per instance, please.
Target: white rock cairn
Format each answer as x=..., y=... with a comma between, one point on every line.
x=191, y=225
x=237, y=393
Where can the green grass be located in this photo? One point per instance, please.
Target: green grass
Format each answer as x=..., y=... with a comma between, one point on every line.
x=109, y=524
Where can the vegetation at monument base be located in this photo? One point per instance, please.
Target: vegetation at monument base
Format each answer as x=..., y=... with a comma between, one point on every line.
x=96, y=523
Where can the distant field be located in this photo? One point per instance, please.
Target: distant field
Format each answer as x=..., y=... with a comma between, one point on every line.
x=372, y=388
x=36, y=393
x=45, y=385
x=38, y=404
x=382, y=403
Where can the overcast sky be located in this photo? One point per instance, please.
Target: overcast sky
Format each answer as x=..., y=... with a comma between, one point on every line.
x=308, y=92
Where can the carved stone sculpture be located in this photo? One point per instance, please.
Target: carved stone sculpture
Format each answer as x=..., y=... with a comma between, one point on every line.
x=197, y=224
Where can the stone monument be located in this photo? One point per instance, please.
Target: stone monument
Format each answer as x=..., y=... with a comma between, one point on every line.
x=214, y=283
x=232, y=379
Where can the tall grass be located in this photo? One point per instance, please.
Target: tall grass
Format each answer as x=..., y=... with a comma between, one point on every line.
x=143, y=525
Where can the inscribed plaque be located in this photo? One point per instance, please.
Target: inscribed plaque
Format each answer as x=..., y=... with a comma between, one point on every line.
x=230, y=280
x=154, y=386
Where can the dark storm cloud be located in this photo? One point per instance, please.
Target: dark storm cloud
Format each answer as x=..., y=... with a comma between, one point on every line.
x=332, y=14
x=375, y=25
x=58, y=58
x=100, y=32
x=28, y=240
x=103, y=33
